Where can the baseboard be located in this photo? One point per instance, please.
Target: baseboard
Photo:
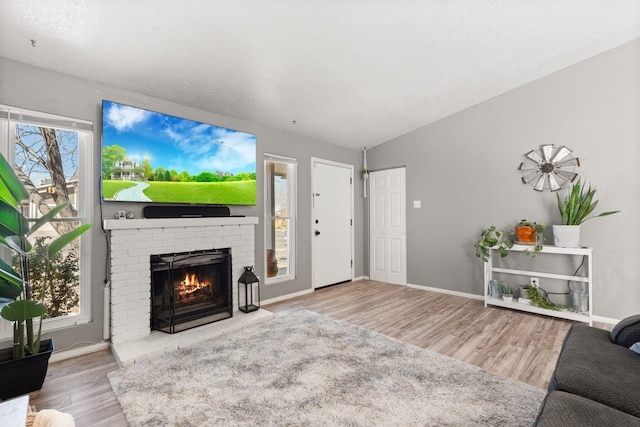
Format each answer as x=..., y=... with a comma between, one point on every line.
x=606, y=320
x=446, y=291
x=286, y=297
x=601, y=319
x=60, y=355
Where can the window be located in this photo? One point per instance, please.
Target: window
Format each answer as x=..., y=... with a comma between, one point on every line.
x=52, y=156
x=280, y=217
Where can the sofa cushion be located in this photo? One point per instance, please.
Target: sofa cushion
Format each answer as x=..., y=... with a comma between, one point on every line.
x=568, y=410
x=627, y=331
x=591, y=366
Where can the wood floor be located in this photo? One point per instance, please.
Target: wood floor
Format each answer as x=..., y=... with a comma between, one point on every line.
x=518, y=345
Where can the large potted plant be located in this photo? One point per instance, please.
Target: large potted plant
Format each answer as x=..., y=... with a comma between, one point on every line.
x=23, y=367
x=575, y=209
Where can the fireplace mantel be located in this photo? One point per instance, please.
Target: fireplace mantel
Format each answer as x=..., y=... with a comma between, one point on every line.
x=132, y=224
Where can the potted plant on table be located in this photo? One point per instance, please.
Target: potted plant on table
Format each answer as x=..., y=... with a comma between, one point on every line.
x=507, y=292
x=492, y=238
x=530, y=233
x=23, y=367
x=575, y=209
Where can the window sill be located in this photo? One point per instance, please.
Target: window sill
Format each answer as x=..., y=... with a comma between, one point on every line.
x=276, y=280
x=49, y=325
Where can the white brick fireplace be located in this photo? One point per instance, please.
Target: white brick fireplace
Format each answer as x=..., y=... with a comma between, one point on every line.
x=133, y=241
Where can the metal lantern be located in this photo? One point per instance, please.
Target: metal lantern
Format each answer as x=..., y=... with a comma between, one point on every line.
x=248, y=278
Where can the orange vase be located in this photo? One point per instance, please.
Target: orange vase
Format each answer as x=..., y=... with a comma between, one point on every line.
x=526, y=234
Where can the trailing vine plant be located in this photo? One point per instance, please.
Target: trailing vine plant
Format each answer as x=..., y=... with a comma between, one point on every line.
x=541, y=301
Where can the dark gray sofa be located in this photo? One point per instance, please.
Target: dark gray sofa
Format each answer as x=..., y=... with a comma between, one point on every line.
x=596, y=381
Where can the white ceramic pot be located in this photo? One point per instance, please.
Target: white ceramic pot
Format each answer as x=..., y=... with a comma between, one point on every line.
x=566, y=236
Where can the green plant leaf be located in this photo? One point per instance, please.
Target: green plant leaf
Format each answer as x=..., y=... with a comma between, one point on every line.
x=65, y=239
x=21, y=310
x=12, y=222
x=8, y=274
x=579, y=204
x=12, y=190
x=9, y=289
x=17, y=244
x=44, y=219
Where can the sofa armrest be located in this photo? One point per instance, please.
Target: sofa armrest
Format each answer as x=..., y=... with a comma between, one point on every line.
x=591, y=366
x=627, y=331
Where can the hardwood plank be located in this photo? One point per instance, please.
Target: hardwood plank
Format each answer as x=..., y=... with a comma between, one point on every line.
x=518, y=345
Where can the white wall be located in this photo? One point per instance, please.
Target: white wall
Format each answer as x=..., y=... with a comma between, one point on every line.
x=464, y=169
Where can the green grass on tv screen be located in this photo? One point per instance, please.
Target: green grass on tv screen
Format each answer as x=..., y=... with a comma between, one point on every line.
x=110, y=188
x=220, y=193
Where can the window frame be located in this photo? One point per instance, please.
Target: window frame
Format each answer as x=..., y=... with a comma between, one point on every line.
x=10, y=115
x=292, y=180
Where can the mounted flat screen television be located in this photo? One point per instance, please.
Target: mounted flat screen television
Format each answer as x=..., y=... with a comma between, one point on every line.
x=151, y=157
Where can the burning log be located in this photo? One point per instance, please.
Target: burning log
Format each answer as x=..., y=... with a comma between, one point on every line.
x=191, y=287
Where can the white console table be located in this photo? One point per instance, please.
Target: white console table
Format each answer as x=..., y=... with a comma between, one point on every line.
x=490, y=269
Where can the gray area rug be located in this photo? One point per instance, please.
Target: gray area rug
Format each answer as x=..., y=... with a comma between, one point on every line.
x=308, y=369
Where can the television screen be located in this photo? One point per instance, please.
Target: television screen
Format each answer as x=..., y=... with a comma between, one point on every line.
x=152, y=157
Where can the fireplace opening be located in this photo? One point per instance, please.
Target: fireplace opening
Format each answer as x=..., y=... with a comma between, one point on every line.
x=190, y=289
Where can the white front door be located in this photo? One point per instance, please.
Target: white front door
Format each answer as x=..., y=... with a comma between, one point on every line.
x=331, y=222
x=387, y=226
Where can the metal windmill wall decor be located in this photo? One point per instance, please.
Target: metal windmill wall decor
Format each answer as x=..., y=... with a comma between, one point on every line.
x=549, y=167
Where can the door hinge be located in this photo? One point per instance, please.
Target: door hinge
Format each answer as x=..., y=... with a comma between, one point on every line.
x=351, y=222
x=351, y=263
x=350, y=180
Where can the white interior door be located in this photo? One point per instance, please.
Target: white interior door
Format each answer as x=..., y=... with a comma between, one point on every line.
x=387, y=226
x=332, y=224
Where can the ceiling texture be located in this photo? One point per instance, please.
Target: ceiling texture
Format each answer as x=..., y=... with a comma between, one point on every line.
x=353, y=73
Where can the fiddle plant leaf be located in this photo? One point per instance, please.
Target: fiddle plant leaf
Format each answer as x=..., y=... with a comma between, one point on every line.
x=12, y=190
x=12, y=222
x=65, y=239
x=44, y=219
x=11, y=282
x=22, y=246
x=21, y=310
x=9, y=290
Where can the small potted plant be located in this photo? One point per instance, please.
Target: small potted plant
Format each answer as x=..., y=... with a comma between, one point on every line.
x=575, y=209
x=524, y=295
x=492, y=238
x=24, y=366
x=507, y=292
x=530, y=233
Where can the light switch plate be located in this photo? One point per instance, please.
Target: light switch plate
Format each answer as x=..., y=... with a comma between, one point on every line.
x=417, y=204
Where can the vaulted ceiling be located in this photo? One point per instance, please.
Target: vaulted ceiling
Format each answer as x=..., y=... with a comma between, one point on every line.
x=352, y=73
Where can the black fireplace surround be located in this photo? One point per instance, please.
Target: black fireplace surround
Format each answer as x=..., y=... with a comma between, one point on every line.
x=190, y=289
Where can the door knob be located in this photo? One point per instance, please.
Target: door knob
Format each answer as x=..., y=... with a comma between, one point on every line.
x=317, y=233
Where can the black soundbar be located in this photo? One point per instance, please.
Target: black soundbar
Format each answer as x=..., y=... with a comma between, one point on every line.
x=158, y=211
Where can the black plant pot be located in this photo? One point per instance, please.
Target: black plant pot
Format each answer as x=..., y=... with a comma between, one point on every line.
x=22, y=376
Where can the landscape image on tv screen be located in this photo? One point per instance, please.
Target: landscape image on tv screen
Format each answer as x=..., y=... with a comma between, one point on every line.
x=153, y=157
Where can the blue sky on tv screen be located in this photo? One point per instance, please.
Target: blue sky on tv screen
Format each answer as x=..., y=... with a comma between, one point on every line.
x=174, y=143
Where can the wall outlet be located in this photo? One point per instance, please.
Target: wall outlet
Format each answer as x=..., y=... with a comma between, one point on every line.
x=534, y=282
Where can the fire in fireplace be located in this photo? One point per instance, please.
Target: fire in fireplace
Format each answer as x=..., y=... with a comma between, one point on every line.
x=190, y=289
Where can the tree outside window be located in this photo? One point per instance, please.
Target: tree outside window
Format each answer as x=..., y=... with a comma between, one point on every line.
x=46, y=160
